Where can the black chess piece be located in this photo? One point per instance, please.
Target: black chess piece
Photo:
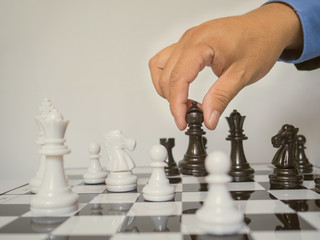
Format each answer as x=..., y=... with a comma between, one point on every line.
x=205, y=141
x=240, y=168
x=193, y=161
x=171, y=169
x=241, y=195
x=303, y=164
x=285, y=174
x=317, y=184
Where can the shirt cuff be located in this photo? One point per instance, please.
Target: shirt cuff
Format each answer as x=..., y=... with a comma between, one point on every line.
x=308, y=12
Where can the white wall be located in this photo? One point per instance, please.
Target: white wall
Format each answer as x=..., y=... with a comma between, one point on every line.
x=91, y=59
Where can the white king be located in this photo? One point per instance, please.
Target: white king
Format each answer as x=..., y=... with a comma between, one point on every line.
x=54, y=196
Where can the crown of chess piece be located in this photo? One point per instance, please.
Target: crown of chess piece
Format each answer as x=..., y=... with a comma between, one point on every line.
x=54, y=196
x=285, y=174
x=303, y=164
x=193, y=161
x=240, y=168
x=171, y=169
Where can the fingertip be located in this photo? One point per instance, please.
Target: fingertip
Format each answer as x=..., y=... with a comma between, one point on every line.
x=180, y=124
x=179, y=112
x=212, y=120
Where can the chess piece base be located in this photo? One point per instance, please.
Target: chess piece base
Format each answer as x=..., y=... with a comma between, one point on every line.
x=121, y=181
x=195, y=168
x=54, y=212
x=94, y=178
x=172, y=170
x=244, y=174
x=306, y=168
x=160, y=198
x=64, y=202
x=221, y=229
x=285, y=178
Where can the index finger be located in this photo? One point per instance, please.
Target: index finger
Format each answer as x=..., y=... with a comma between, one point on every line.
x=190, y=63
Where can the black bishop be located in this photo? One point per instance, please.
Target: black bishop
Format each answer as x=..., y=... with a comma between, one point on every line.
x=193, y=161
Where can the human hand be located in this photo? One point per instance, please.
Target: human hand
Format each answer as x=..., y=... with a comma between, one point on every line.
x=240, y=50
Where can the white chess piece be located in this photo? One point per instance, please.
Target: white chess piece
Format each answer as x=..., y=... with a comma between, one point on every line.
x=120, y=163
x=54, y=196
x=95, y=173
x=218, y=215
x=45, y=107
x=158, y=188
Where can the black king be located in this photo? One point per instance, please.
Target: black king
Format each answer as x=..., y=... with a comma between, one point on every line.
x=193, y=161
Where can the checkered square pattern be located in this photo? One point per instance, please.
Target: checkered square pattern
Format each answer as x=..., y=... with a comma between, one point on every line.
x=269, y=214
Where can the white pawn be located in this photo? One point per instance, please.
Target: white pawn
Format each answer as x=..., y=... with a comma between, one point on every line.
x=218, y=215
x=95, y=173
x=158, y=187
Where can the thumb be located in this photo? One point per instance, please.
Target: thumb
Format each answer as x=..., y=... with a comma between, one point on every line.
x=220, y=95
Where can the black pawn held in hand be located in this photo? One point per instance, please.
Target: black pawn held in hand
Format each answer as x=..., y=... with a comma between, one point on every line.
x=240, y=168
x=193, y=161
x=171, y=169
x=303, y=164
x=285, y=175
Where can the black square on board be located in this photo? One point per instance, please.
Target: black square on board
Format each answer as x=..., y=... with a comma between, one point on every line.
x=311, y=205
x=14, y=209
x=33, y=225
x=151, y=224
x=277, y=222
x=99, y=209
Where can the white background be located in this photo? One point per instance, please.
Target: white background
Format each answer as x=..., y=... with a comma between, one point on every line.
x=91, y=59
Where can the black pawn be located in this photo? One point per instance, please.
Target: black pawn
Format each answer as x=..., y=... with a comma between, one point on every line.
x=285, y=174
x=171, y=169
x=240, y=168
x=193, y=161
x=303, y=164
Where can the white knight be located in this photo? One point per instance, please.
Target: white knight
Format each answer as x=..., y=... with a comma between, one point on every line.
x=120, y=163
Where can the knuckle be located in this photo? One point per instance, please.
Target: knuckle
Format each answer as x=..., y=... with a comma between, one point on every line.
x=153, y=62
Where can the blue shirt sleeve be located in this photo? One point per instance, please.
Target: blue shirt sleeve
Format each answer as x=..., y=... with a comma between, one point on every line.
x=309, y=13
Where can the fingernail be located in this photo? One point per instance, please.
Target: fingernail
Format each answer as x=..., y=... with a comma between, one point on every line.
x=213, y=120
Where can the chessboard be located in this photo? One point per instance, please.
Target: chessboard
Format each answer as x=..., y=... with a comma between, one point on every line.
x=269, y=214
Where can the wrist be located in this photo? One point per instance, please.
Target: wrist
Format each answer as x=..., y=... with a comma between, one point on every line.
x=283, y=23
